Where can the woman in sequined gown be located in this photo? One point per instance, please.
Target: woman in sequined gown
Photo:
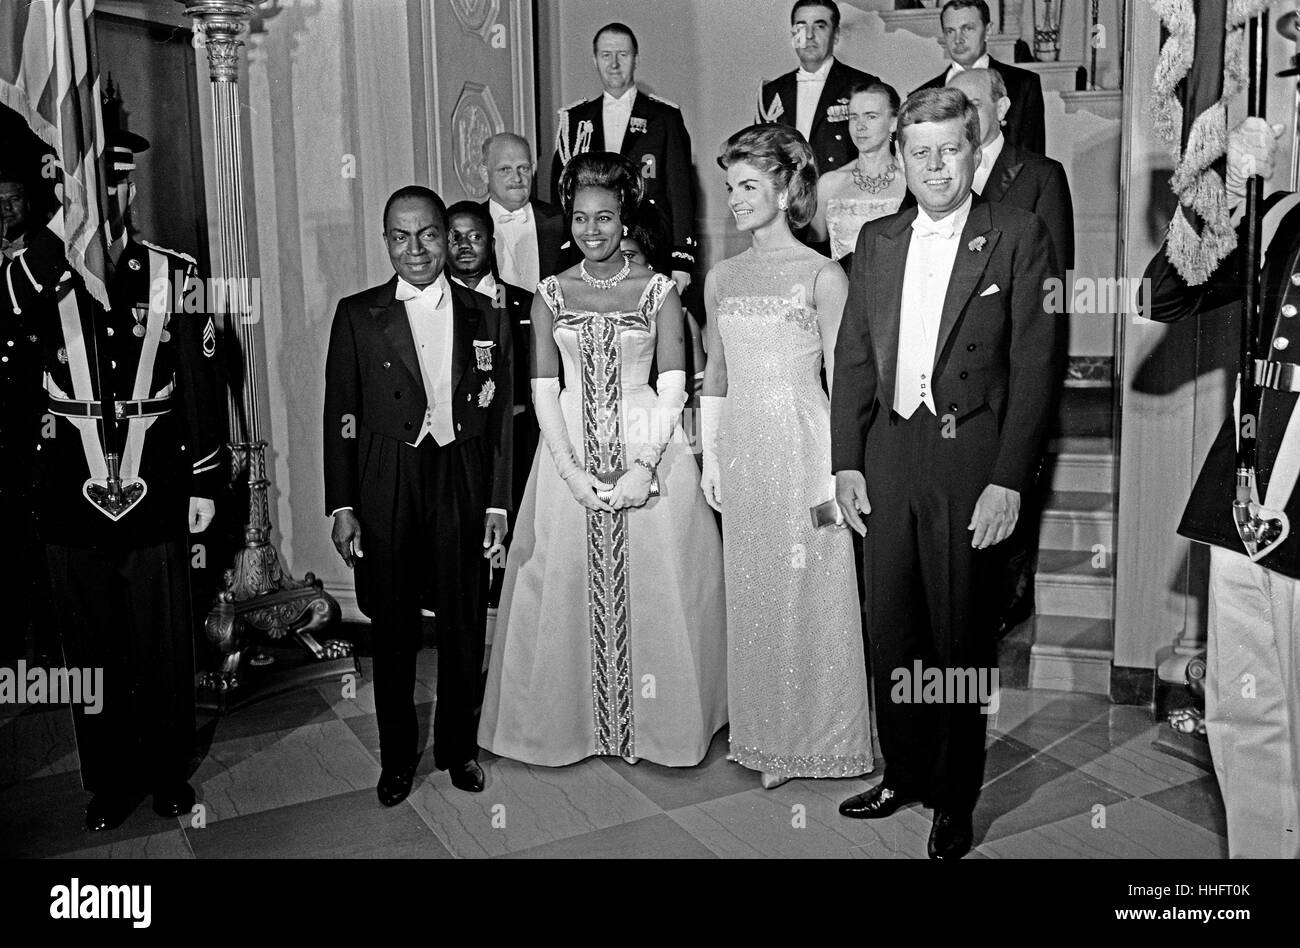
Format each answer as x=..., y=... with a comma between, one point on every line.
x=873, y=186
x=796, y=675
x=610, y=635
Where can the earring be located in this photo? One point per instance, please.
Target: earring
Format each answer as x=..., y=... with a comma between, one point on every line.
x=624, y=230
x=783, y=203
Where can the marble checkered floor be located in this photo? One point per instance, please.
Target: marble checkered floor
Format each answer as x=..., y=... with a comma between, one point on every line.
x=1068, y=775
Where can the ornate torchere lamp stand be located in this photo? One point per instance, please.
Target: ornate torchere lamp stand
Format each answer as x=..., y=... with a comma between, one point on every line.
x=258, y=595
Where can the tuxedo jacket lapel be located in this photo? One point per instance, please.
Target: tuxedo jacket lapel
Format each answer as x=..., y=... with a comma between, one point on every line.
x=395, y=326
x=464, y=320
x=888, y=265
x=1003, y=173
x=967, y=269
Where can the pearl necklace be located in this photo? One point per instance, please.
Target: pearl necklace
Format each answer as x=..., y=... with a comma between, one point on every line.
x=875, y=183
x=606, y=284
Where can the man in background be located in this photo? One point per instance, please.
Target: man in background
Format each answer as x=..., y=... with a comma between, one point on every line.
x=965, y=36
x=529, y=234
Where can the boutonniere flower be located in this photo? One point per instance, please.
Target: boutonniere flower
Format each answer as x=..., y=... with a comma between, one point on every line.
x=976, y=245
x=486, y=392
x=636, y=125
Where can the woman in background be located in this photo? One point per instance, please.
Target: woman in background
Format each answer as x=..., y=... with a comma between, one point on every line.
x=873, y=186
x=797, y=680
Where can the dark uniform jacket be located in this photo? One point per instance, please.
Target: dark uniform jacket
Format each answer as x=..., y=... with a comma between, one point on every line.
x=373, y=380
x=657, y=142
x=159, y=309
x=1208, y=517
x=1024, y=122
x=830, y=140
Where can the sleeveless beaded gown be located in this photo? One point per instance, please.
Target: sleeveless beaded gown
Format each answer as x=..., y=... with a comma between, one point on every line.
x=610, y=636
x=796, y=675
x=845, y=217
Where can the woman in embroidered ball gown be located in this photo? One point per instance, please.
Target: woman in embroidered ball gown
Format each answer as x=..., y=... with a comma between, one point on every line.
x=611, y=635
x=796, y=675
x=873, y=186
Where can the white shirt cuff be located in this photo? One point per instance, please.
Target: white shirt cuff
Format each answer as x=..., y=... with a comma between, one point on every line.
x=498, y=510
x=335, y=512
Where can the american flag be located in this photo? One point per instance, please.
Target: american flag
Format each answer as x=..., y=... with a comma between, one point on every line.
x=49, y=75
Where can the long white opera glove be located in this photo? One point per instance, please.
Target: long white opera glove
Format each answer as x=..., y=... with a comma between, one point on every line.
x=711, y=475
x=667, y=412
x=550, y=419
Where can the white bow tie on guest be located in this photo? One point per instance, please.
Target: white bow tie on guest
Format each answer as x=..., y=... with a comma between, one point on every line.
x=925, y=227
x=407, y=292
x=518, y=217
x=802, y=76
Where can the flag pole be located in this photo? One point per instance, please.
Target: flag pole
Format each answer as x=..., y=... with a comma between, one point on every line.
x=1256, y=98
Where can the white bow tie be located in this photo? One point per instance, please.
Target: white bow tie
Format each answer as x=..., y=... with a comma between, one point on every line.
x=802, y=76
x=407, y=292
x=924, y=227
x=518, y=217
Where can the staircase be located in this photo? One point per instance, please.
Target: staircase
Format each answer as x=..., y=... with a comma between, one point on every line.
x=1070, y=643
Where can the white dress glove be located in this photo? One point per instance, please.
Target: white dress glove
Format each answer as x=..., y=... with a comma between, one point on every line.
x=550, y=420
x=711, y=476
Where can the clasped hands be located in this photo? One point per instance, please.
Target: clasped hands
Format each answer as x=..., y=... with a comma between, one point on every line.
x=994, y=519
x=631, y=490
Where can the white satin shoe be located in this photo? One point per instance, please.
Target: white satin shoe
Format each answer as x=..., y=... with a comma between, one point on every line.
x=631, y=759
x=771, y=781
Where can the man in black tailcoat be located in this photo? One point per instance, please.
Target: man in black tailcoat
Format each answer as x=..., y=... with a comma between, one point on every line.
x=943, y=375
x=418, y=424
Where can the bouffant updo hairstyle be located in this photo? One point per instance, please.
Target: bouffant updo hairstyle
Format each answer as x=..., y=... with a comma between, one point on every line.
x=781, y=153
x=608, y=171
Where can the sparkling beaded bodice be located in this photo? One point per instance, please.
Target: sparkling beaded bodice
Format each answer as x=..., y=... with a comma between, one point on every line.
x=845, y=217
x=769, y=331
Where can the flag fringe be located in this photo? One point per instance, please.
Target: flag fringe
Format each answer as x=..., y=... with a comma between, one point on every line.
x=1199, y=187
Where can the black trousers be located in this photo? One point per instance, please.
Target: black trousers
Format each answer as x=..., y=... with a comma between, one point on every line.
x=422, y=533
x=929, y=597
x=128, y=612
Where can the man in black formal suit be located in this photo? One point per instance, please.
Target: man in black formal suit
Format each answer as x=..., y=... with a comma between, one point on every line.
x=941, y=403
x=965, y=25
x=642, y=127
x=815, y=97
x=1008, y=174
x=418, y=422
x=529, y=234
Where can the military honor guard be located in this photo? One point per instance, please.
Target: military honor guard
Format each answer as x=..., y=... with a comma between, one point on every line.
x=639, y=126
x=1252, y=689
x=815, y=97
x=132, y=459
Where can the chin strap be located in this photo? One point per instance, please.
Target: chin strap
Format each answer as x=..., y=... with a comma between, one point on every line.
x=550, y=419
x=665, y=415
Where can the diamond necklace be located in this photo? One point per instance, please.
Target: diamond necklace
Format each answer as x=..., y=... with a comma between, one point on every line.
x=607, y=284
x=875, y=183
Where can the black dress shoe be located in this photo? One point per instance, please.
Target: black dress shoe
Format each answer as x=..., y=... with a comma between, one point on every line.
x=950, y=835
x=108, y=811
x=467, y=776
x=395, y=784
x=174, y=800
x=878, y=802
